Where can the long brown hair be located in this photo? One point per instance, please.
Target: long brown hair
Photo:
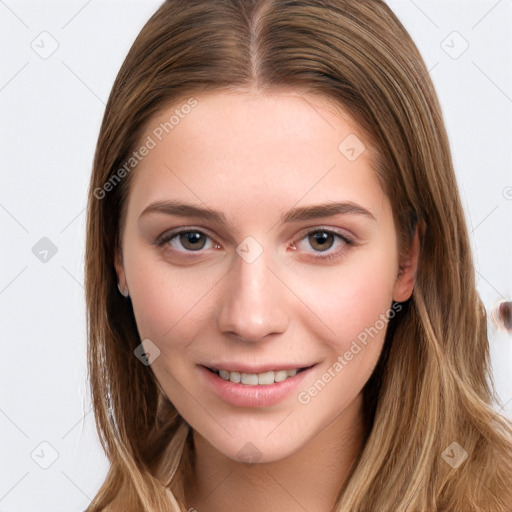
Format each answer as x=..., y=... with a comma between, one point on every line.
x=432, y=387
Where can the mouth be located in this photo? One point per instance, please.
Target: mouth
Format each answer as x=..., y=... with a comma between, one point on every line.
x=257, y=379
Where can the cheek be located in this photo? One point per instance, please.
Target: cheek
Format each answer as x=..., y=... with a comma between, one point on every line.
x=160, y=298
x=169, y=304
x=357, y=309
x=352, y=297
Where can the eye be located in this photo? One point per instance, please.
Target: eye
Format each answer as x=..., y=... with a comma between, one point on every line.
x=322, y=240
x=191, y=240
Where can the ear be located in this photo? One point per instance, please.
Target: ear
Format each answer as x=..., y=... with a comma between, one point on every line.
x=406, y=278
x=118, y=264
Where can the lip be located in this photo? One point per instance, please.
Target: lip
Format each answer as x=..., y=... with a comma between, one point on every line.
x=243, y=395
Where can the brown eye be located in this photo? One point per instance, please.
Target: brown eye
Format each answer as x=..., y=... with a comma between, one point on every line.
x=321, y=240
x=192, y=240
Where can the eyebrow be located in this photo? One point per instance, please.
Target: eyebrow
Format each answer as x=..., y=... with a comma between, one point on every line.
x=302, y=213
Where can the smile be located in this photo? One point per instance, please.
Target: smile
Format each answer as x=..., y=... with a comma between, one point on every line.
x=257, y=379
x=256, y=386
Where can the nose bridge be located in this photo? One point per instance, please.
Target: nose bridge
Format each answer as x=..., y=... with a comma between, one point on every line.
x=252, y=305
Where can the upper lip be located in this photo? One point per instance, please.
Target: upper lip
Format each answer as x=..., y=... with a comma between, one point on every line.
x=245, y=368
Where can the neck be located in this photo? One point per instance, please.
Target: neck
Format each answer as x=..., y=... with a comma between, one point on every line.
x=309, y=479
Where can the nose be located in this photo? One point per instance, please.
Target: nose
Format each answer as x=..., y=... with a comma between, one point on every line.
x=253, y=301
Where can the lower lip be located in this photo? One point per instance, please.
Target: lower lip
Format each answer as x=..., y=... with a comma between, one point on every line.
x=244, y=395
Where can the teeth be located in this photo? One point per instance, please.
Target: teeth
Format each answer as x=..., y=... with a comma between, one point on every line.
x=249, y=378
x=234, y=376
x=253, y=379
x=280, y=375
x=266, y=378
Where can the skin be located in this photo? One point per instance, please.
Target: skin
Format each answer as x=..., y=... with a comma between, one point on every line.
x=253, y=157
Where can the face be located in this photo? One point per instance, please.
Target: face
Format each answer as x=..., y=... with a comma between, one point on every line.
x=259, y=243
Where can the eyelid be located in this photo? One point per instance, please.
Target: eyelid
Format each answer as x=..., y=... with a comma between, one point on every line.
x=169, y=233
x=327, y=229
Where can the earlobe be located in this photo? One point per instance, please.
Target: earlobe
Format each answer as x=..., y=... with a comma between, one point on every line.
x=122, y=291
x=121, y=278
x=406, y=277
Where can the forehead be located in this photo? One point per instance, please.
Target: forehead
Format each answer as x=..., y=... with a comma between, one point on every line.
x=280, y=146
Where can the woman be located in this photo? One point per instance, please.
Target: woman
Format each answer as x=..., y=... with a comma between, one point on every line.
x=281, y=298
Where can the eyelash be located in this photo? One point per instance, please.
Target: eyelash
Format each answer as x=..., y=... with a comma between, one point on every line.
x=348, y=241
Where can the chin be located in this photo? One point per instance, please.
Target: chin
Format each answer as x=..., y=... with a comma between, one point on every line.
x=251, y=445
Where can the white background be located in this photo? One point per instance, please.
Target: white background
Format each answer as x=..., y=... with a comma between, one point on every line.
x=50, y=111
